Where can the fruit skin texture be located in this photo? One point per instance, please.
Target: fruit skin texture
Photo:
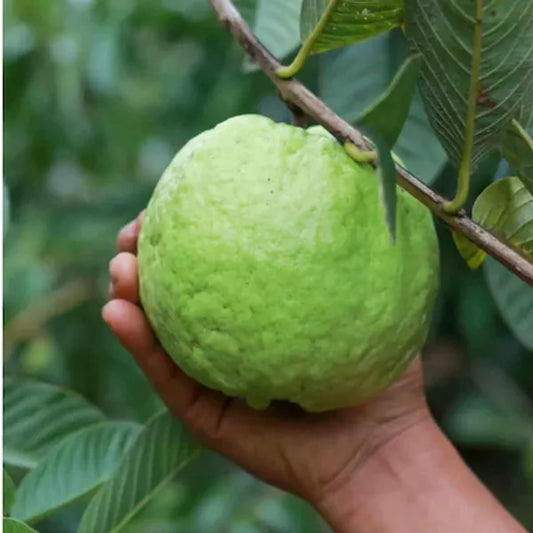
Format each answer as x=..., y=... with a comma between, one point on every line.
x=267, y=271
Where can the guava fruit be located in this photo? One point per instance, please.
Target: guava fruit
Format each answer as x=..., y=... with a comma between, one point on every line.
x=267, y=271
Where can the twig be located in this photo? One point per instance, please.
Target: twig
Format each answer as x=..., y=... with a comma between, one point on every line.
x=32, y=319
x=296, y=94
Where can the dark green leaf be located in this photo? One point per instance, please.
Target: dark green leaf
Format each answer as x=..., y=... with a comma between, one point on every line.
x=161, y=450
x=387, y=179
x=514, y=299
x=8, y=492
x=75, y=466
x=477, y=421
x=5, y=204
x=443, y=32
x=248, y=10
x=276, y=25
x=351, y=78
x=350, y=21
x=38, y=415
x=10, y=525
x=388, y=113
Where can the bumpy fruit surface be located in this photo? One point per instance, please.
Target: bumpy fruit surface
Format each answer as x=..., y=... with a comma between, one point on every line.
x=267, y=271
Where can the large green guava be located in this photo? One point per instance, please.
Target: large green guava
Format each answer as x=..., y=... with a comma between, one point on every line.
x=267, y=270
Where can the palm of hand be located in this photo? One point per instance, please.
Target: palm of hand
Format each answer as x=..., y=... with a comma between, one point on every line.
x=307, y=454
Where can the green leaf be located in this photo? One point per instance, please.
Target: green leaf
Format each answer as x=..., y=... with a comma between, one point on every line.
x=75, y=466
x=514, y=299
x=247, y=9
x=517, y=146
x=276, y=25
x=8, y=492
x=387, y=179
x=505, y=208
x=38, y=415
x=475, y=420
x=162, y=449
x=351, y=78
x=350, y=21
x=10, y=525
x=473, y=255
x=5, y=204
x=389, y=112
x=443, y=32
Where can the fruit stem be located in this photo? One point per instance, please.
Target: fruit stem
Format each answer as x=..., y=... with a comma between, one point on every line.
x=361, y=156
x=290, y=70
x=463, y=177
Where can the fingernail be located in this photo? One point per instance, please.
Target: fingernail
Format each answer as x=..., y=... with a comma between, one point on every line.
x=111, y=291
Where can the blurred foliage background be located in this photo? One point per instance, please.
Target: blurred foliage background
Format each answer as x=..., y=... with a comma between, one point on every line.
x=99, y=95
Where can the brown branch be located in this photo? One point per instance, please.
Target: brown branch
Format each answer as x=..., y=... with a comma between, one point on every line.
x=297, y=95
x=32, y=319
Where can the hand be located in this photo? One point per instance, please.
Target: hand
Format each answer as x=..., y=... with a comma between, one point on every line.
x=312, y=455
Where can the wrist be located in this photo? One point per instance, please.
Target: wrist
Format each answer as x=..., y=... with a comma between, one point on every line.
x=388, y=471
x=414, y=482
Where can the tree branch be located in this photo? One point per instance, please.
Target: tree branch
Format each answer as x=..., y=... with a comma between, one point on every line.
x=297, y=95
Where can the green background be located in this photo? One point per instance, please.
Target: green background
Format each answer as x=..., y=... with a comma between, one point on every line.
x=98, y=97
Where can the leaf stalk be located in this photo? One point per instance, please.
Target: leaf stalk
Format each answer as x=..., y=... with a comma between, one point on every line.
x=463, y=177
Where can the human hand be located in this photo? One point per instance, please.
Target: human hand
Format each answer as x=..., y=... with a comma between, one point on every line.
x=307, y=454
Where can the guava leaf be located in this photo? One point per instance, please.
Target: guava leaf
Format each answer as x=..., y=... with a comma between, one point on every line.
x=477, y=421
x=472, y=254
x=517, y=145
x=247, y=9
x=10, y=525
x=351, y=78
x=389, y=112
x=6, y=209
x=159, y=452
x=8, y=492
x=514, y=299
x=73, y=467
x=37, y=416
x=349, y=21
x=443, y=32
x=382, y=122
x=505, y=208
x=276, y=26
x=387, y=177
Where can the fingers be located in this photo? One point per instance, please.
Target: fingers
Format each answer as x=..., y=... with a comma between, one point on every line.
x=128, y=235
x=124, y=277
x=129, y=324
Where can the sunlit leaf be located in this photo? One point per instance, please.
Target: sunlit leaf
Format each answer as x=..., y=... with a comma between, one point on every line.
x=8, y=492
x=38, y=415
x=10, y=525
x=443, y=32
x=160, y=451
x=504, y=208
x=350, y=21
x=75, y=466
x=472, y=254
x=350, y=80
